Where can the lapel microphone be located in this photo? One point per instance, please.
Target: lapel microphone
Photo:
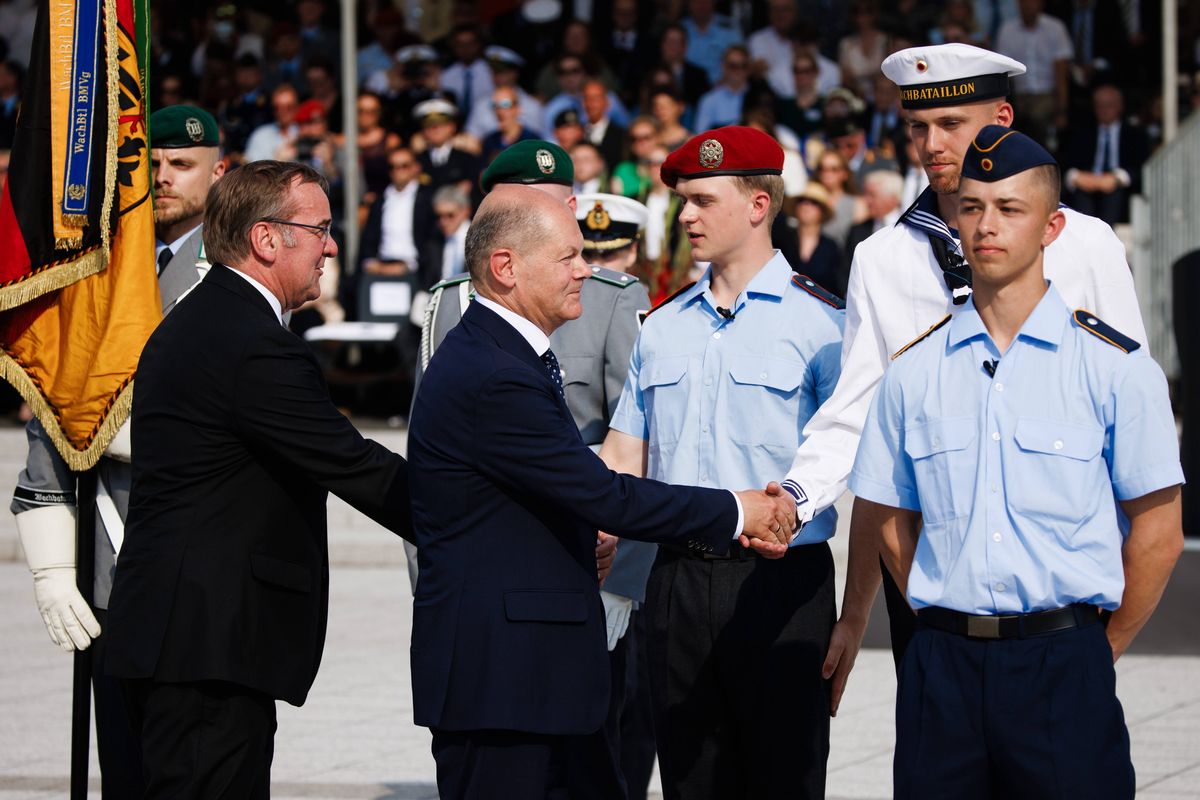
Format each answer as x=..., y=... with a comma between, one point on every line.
x=726, y=313
x=990, y=367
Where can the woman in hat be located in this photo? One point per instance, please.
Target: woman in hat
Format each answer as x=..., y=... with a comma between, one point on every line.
x=848, y=207
x=803, y=244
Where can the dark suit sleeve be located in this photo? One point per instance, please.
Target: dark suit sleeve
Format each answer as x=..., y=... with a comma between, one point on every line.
x=537, y=453
x=284, y=408
x=372, y=232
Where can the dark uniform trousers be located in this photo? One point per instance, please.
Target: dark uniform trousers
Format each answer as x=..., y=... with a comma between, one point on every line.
x=117, y=745
x=629, y=727
x=736, y=648
x=1033, y=718
x=208, y=739
x=902, y=622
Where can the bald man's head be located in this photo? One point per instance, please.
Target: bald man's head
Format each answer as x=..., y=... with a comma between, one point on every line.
x=511, y=216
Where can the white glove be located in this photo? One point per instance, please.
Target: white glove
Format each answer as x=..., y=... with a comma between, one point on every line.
x=48, y=538
x=121, y=447
x=616, y=613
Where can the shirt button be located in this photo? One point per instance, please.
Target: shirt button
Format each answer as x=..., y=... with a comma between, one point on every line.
x=1058, y=444
x=996, y=536
x=994, y=488
x=995, y=436
x=708, y=381
x=762, y=376
x=999, y=387
x=704, y=429
x=704, y=477
x=937, y=442
x=1000, y=587
x=717, y=335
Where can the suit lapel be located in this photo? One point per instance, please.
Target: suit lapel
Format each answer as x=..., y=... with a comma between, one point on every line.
x=181, y=273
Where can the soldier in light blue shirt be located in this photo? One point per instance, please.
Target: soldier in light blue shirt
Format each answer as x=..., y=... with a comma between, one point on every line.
x=722, y=380
x=994, y=457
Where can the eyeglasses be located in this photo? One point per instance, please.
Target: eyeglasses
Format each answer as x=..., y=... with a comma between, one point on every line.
x=803, y=70
x=320, y=231
x=736, y=65
x=403, y=165
x=446, y=214
x=569, y=70
x=506, y=103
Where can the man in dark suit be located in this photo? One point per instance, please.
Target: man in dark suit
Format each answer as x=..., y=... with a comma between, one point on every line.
x=606, y=135
x=220, y=598
x=398, y=238
x=1104, y=160
x=508, y=647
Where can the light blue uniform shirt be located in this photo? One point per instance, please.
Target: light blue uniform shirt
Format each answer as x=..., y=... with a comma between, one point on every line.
x=1016, y=476
x=706, y=48
x=722, y=402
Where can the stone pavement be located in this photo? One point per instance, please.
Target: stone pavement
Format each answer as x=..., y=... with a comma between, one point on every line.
x=355, y=738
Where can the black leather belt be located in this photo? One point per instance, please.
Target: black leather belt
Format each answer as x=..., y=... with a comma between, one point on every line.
x=1009, y=626
x=736, y=553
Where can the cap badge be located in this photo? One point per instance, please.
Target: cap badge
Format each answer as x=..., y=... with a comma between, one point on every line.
x=986, y=164
x=922, y=65
x=194, y=129
x=598, y=219
x=711, y=154
x=545, y=161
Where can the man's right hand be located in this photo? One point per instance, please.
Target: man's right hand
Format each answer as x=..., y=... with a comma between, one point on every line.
x=767, y=520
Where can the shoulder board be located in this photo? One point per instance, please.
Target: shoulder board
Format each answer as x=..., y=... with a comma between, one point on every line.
x=666, y=300
x=453, y=280
x=820, y=292
x=922, y=337
x=613, y=278
x=1101, y=330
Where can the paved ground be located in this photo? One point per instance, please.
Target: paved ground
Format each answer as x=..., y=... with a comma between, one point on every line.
x=355, y=738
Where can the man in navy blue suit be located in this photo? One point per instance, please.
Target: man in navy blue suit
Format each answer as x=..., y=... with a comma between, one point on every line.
x=508, y=645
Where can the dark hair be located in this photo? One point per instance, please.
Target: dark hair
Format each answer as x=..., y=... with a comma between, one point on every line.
x=245, y=196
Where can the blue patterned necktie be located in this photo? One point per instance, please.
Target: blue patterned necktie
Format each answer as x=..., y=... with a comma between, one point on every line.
x=551, y=362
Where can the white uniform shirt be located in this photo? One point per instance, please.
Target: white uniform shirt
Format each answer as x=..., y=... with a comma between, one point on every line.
x=1037, y=48
x=897, y=291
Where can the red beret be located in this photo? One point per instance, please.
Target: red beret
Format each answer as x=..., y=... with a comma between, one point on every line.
x=732, y=150
x=310, y=110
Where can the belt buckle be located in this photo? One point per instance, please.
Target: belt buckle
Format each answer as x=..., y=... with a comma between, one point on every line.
x=983, y=627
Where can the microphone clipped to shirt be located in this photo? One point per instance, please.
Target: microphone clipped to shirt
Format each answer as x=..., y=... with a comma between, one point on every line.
x=726, y=313
x=990, y=366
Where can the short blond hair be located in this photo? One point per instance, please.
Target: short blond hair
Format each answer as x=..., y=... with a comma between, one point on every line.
x=749, y=185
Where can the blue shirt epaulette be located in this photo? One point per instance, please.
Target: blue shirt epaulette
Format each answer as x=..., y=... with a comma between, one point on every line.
x=1101, y=330
x=453, y=280
x=818, y=291
x=923, y=336
x=613, y=278
x=669, y=298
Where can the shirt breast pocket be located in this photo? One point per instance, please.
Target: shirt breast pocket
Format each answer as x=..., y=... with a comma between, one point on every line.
x=944, y=463
x=1060, y=471
x=665, y=397
x=762, y=402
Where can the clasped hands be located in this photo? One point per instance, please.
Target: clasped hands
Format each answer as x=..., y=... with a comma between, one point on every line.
x=768, y=520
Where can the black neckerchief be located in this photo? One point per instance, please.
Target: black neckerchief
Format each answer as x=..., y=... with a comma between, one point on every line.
x=922, y=215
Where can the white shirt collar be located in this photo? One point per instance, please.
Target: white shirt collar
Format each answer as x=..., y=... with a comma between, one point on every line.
x=531, y=333
x=276, y=306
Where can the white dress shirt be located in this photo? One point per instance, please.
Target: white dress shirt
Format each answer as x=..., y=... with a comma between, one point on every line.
x=396, y=240
x=1037, y=48
x=454, y=251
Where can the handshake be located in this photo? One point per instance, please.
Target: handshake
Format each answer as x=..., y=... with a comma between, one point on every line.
x=768, y=520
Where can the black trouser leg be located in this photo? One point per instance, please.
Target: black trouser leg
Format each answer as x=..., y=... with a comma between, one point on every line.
x=902, y=622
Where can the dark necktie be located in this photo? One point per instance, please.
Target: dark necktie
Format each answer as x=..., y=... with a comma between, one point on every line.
x=164, y=258
x=551, y=362
x=468, y=86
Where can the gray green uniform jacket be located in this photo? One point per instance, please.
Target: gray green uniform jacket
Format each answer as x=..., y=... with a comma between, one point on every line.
x=593, y=353
x=46, y=479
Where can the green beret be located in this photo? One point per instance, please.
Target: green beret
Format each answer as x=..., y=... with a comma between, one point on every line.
x=183, y=126
x=530, y=161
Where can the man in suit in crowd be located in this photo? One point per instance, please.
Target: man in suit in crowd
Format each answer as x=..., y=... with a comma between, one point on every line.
x=441, y=161
x=508, y=629
x=882, y=191
x=606, y=135
x=220, y=601
x=1104, y=160
x=186, y=161
x=395, y=239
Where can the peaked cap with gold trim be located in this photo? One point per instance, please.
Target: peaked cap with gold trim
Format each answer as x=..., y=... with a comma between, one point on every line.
x=999, y=152
x=609, y=221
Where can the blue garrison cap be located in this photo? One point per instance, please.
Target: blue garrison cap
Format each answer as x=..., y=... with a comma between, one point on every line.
x=999, y=152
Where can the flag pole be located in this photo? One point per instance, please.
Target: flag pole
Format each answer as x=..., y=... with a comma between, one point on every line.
x=81, y=695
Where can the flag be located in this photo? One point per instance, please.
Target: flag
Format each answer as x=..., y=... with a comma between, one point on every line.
x=78, y=290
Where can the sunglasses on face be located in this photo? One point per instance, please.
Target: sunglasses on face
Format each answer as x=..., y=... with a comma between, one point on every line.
x=499, y=104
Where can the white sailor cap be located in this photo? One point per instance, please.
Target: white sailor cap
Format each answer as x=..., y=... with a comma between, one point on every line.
x=609, y=221
x=435, y=110
x=502, y=56
x=949, y=74
x=416, y=53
